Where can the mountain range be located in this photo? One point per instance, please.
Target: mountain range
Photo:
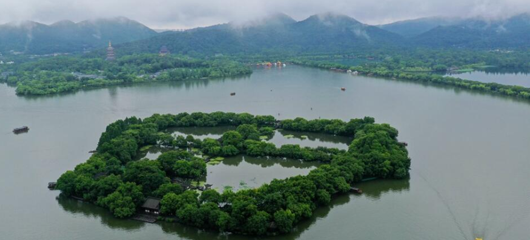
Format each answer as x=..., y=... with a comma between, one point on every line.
x=67, y=36
x=278, y=33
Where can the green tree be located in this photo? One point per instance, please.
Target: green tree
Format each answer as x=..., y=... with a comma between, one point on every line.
x=168, y=188
x=233, y=138
x=210, y=195
x=258, y=223
x=146, y=173
x=121, y=206
x=66, y=183
x=284, y=220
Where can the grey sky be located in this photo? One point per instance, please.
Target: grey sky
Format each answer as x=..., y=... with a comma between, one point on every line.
x=194, y=13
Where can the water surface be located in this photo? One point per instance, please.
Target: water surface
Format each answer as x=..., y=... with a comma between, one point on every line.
x=518, y=79
x=470, y=156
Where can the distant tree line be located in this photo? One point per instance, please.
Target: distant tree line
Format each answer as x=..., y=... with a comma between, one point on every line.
x=67, y=74
x=380, y=70
x=113, y=179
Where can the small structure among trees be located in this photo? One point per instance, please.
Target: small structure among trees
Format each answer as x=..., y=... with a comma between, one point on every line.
x=151, y=206
x=164, y=51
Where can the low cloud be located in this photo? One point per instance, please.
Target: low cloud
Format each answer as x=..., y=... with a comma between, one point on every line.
x=188, y=14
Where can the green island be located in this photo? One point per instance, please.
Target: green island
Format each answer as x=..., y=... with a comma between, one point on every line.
x=115, y=179
x=72, y=73
x=426, y=74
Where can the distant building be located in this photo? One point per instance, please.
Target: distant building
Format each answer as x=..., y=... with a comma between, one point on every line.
x=110, y=53
x=164, y=51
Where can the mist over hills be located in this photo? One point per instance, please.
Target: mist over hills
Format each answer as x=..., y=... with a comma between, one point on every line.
x=277, y=33
x=323, y=33
x=67, y=36
x=513, y=32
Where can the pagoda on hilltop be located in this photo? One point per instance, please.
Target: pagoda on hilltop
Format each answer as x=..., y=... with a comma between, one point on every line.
x=110, y=53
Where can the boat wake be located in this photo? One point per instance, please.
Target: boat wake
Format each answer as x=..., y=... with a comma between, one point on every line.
x=478, y=229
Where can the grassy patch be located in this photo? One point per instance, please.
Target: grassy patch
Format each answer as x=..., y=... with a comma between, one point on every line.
x=144, y=149
x=197, y=183
x=215, y=161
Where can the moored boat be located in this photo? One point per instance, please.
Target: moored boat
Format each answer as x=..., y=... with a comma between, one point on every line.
x=21, y=130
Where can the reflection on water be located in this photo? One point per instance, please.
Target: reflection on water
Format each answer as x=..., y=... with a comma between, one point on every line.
x=472, y=147
x=89, y=210
x=114, y=90
x=306, y=139
x=201, y=132
x=488, y=76
x=242, y=172
x=374, y=189
x=280, y=137
x=370, y=189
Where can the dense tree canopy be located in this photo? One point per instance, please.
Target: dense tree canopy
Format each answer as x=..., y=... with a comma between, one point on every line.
x=273, y=207
x=66, y=74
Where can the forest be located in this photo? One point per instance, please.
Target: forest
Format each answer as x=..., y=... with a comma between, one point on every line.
x=72, y=73
x=115, y=179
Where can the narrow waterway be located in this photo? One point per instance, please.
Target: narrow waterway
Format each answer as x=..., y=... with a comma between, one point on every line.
x=517, y=79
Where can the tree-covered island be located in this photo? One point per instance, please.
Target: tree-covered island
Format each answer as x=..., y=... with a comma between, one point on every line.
x=71, y=73
x=113, y=178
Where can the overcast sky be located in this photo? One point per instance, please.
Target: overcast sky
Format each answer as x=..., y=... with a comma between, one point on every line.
x=178, y=14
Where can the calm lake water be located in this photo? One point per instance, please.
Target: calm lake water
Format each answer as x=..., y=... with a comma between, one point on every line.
x=470, y=156
x=241, y=172
x=518, y=79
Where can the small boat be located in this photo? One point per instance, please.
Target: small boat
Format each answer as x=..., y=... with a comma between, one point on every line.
x=93, y=151
x=232, y=94
x=343, y=88
x=21, y=130
x=52, y=185
x=356, y=190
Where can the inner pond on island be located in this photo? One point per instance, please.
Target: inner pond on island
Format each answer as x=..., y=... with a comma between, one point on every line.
x=241, y=172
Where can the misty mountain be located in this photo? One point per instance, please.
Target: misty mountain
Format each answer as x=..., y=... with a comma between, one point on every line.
x=279, y=33
x=415, y=27
x=67, y=36
x=512, y=32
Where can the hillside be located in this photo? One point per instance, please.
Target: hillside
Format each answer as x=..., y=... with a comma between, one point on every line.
x=512, y=32
x=279, y=33
x=415, y=27
x=66, y=36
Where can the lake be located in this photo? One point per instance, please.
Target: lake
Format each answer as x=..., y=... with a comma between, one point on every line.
x=470, y=156
x=508, y=78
